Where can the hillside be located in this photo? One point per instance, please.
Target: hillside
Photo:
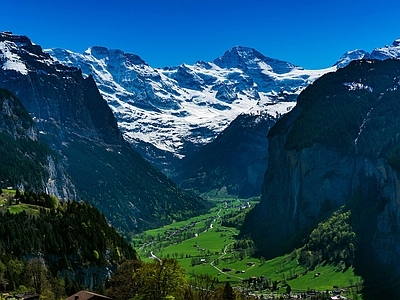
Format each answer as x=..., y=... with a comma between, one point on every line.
x=77, y=124
x=338, y=146
x=70, y=239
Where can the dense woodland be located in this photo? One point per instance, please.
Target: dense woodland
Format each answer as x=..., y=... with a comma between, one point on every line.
x=55, y=238
x=117, y=180
x=333, y=241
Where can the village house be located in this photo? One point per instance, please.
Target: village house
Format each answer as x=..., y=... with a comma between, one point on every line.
x=85, y=295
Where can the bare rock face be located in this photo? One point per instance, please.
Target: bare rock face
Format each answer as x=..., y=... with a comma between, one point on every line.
x=315, y=177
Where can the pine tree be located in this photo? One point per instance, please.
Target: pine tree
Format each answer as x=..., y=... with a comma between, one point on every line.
x=228, y=293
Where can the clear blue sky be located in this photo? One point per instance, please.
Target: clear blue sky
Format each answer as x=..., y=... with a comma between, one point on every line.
x=309, y=33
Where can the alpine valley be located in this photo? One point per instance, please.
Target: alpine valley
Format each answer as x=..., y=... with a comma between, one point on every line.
x=169, y=114
x=321, y=147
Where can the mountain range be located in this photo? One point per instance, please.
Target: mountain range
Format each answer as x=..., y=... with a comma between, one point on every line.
x=169, y=114
x=332, y=143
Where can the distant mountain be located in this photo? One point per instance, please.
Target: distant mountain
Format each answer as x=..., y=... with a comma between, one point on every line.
x=339, y=147
x=389, y=51
x=167, y=114
x=76, y=123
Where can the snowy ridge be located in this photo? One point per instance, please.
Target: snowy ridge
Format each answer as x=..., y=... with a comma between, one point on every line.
x=180, y=107
x=386, y=52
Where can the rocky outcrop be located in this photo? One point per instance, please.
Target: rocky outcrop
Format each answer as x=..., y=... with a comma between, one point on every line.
x=35, y=167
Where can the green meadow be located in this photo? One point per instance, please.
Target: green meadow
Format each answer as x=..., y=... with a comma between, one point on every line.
x=203, y=246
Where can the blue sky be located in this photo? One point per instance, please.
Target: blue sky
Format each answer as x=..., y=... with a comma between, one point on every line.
x=309, y=33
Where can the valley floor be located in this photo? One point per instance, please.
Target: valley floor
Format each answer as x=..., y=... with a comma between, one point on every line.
x=206, y=245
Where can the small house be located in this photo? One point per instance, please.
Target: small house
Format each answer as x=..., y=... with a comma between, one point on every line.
x=85, y=295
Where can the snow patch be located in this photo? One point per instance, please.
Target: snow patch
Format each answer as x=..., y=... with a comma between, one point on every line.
x=11, y=60
x=353, y=86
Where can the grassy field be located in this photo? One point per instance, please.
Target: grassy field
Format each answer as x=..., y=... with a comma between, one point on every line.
x=203, y=246
x=6, y=198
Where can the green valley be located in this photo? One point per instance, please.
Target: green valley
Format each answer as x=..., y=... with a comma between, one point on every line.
x=206, y=245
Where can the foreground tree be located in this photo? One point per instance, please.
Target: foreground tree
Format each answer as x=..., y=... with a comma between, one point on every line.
x=124, y=284
x=147, y=281
x=225, y=292
x=160, y=279
x=201, y=287
x=38, y=273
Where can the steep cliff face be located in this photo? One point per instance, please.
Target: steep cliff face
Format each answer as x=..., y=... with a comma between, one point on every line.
x=299, y=187
x=27, y=162
x=77, y=123
x=58, y=97
x=338, y=146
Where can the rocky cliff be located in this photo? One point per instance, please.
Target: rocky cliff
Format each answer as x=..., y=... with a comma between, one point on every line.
x=338, y=147
x=27, y=162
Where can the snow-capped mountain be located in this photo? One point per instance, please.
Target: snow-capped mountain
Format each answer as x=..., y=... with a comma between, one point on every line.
x=349, y=56
x=388, y=51
x=177, y=109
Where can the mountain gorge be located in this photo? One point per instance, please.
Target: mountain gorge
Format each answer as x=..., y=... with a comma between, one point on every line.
x=321, y=147
x=93, y=162
x=338, y=148
x=234, y=163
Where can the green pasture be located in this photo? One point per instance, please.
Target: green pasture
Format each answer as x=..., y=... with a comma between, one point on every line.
x=210, y=245
x=6, y=195
x=30, y=209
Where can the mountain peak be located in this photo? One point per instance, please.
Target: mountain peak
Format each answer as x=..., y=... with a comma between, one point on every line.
x=396, y=43
x=246, y=58
x=238, y=57
x=386, y=52
x=349, y=56
x=101, y=52
x=9, y=36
